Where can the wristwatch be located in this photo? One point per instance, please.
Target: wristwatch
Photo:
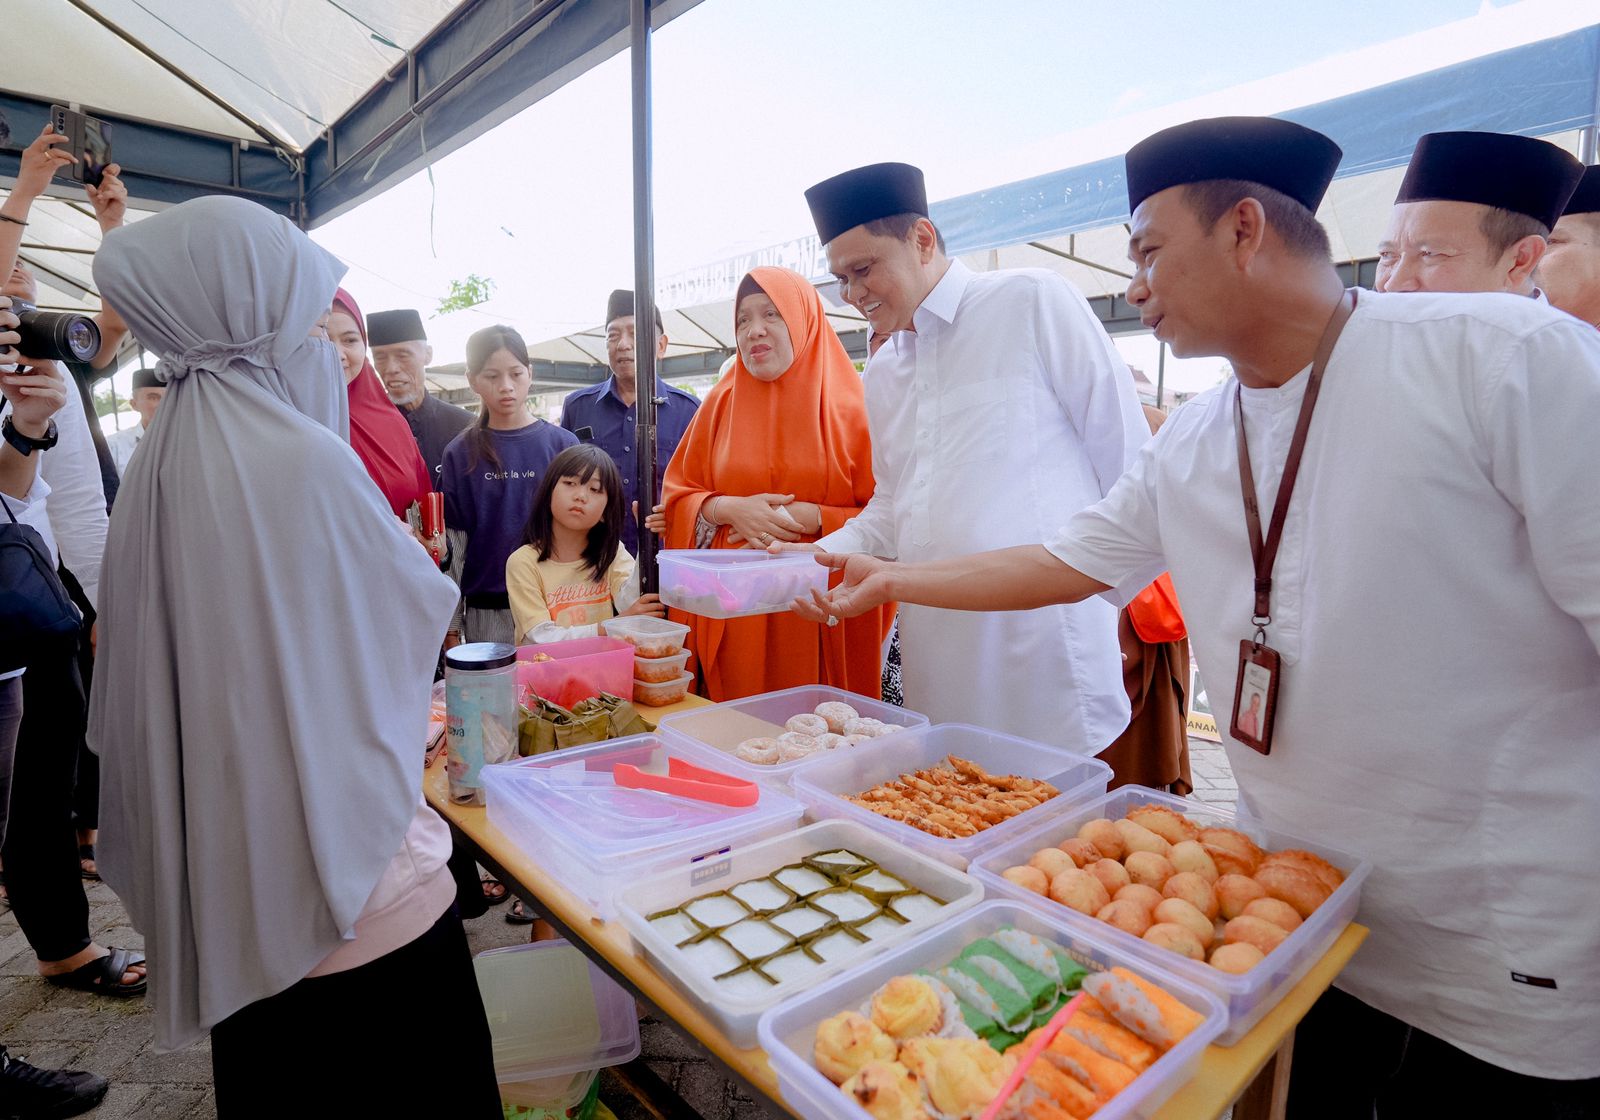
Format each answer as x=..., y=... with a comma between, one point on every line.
x=27, y=445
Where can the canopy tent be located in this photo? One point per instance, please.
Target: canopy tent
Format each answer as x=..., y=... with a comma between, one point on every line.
x=306, y=106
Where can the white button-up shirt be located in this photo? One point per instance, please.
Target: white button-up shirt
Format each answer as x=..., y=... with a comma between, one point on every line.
x=1437, y=606
x=1004, y=412
x=122, y=444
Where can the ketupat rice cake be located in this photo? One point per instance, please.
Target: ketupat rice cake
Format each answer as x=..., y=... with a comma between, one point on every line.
x=676, y=926
x=803, y=881
x=846, y=905
x=833, y=946
x=880, y=927
x=801, y=921
x=915, y=907
x=753, y=938
x=762, y=896
x=745, y=983
x=712, y=956
x=716, y=910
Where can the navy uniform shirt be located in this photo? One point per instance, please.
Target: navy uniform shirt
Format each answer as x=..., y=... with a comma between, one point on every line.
x=597, y=415
x=434, y=423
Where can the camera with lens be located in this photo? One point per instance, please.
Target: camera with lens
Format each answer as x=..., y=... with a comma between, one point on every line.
x=55, y=336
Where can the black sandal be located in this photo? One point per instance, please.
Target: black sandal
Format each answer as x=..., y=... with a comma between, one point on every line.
x=103, y=975
x=517, y=914
x=86, y=855
x=494, y=891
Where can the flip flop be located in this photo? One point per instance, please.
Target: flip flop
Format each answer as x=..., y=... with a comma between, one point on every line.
x=86, y=855
x=494, y=891
x=517, y=914
x=103, y=975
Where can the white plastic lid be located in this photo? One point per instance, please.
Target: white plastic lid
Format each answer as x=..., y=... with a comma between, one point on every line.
x=552, y=1012
x=575, y=796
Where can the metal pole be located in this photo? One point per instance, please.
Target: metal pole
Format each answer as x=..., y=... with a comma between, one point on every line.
x=644, y=287
x=1161, y=374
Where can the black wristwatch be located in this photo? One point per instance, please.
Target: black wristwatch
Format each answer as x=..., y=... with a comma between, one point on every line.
x=27, y=445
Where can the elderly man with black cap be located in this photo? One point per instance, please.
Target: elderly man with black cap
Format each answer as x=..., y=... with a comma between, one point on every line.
x=400, y=354
x=1473, y=213
x=998, y=408
x=1570, y=270
x=147, y=393
x=1384, y=527
x=604, y=414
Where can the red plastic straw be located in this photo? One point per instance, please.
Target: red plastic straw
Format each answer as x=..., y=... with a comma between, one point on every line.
x=1041, y=1039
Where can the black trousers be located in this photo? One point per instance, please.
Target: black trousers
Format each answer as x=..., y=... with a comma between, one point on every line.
x=43, y=877
x=10, y=721
x=1353, y=1061
x=404, y=1035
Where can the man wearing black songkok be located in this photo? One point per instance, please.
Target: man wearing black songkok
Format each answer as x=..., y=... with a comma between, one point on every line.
x=1570, y=270
x=400, y=354
x=1473, y=212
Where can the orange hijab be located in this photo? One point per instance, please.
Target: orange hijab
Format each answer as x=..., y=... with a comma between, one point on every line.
x=804, y=434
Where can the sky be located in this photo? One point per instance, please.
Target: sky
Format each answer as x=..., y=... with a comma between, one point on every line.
x=757, y=99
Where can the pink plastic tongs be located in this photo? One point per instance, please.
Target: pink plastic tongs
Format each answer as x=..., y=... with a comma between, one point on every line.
x=685, y=780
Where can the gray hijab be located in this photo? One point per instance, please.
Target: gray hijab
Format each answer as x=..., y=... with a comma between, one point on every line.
x=268, y=629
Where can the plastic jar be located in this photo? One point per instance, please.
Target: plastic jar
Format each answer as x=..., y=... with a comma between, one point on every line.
x=481, y=716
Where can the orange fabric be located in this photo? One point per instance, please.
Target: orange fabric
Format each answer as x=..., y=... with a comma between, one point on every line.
x=1155, y=615
x=804, y=434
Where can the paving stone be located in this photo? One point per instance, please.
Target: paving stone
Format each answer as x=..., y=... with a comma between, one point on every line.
x=705, y=1090
x=191, y=1067
x=658, y=1040
x=78, y=1024
x=667, y=1071
x=124, y=1100
x=174, y=1102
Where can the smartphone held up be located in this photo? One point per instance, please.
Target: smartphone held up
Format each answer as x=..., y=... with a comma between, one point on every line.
x=89, y=140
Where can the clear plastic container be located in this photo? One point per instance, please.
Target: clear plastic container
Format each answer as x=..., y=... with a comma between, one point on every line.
x=660, y=670
x=736, y=1017
x=554, y=1019
x=725, y=726
x=659, y=694
x=594, y=836
x=481, y=718
x=577, y=670
x=735, y=582
x=823, y=785
x=650, y=637
x=788, y=1032
x=1248, y=996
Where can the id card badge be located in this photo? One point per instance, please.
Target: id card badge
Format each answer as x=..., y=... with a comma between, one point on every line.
x=1255, y=696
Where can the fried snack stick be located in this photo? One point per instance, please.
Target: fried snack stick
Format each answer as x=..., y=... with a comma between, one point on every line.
x=1146, y=1010
x=1106, y=1077
x=1009, y=782
x=1071, y=1097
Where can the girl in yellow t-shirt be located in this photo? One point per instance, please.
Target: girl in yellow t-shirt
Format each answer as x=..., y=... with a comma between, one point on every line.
x=573, y=573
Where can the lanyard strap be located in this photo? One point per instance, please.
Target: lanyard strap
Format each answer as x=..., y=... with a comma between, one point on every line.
x=1265, y=552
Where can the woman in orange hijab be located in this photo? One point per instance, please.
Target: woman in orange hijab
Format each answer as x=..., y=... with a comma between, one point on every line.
x=778, y=451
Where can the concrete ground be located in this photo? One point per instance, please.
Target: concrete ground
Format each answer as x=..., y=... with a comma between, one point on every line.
x=52, y=1027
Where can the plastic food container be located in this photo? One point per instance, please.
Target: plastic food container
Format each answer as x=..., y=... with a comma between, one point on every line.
x=1249, y=996
x=660, y=670
x=595, y=836
x=579, y=669
x=661, y=693
x=736, y=1017
x=650, y=637
x=788, y=1032
x=555, y=1020
x=823, y=785
x=734, y=582
x=725, y=726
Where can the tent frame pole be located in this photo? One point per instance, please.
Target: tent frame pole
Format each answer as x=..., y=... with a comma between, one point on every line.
x=645, y=339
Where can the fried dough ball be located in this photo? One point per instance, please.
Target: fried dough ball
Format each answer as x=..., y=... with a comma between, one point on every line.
x=1191, y=855
x=1145, y=896
x=1028, y=878
x=1112, y=875
x=1239, y=957
x=1104, y=835
x=1235, y=892
x=1233, y=852
x=1082, y=852
x=1298, y=888
x=1193, y=889
x=1180, y=913
x=1080, y=890
x=1180, y=939
x=1172, y=827
x=1253, y=931
x=1137, y=838
x=1126, y=915
x=1052, y=861
x=1149, y=868
x=1274, y=910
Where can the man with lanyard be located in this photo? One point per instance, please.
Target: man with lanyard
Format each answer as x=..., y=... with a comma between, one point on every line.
x=1570, y=270
x=604, y=414
x=998, y=408
x=1410, y=575
x=400, y=354
x=1473, y=213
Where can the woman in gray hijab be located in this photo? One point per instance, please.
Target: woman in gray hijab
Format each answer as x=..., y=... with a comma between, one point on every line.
x=267, y=639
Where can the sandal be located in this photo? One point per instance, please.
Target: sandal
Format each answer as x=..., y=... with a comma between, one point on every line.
x=494, y=891
x=517, y=914
x=103, y=975
x=86, y=863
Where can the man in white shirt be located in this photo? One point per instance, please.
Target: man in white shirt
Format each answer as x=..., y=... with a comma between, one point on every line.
x=1435, y=603
x=1473, y=212
x=1570, y=270
x=147, y=394
x=998, y=408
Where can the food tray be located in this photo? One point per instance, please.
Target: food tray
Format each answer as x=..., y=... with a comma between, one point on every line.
x=823, y=784
x=722, y=727
x=650, y=636
x=737, y=1017
x=1248, y=996
x=788, y=1032
x=579, y=669
x=736, y=582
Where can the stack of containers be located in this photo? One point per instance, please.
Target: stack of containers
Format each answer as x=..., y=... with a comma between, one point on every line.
x=570, y=672
x=822, y=786
x=660, y=663
x=593, y=836
x=1247, y=996
x=788, y=1032
x=723, y=727
x=555, y=1021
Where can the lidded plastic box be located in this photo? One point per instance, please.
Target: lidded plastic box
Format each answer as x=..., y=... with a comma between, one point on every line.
x=594, y=836
x=822, y=786
x=659, y=670
x=578, y=669
x=1248, y=996
x=723, y=727
x=735, y=582
x=788, y=1032
x=734, y=1014
x=554, y=1020
x=650, y=636
x=658, y=694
